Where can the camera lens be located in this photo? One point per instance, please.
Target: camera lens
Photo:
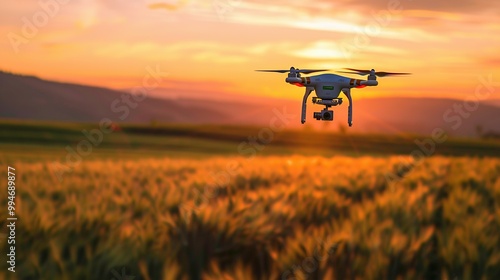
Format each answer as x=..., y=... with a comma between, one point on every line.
x=327, y=115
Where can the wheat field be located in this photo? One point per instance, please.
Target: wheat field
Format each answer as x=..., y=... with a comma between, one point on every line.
x=273, y=217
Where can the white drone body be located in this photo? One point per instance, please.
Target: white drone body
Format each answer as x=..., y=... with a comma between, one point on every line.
x=328, y=87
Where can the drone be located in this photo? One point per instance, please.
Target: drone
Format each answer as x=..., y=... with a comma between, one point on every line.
x=329, y=86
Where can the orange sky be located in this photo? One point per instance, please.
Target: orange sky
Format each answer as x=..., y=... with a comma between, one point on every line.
x=217, y=44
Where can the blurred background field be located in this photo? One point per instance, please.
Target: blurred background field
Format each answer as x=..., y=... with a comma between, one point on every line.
x=39, y=141
x=208, y=172
x=169, y=201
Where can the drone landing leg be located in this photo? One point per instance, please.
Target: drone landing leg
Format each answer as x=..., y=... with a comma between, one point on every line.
x=347, y=93
x=304, y=101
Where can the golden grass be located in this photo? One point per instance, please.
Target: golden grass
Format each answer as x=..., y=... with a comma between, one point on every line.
x=263, y=218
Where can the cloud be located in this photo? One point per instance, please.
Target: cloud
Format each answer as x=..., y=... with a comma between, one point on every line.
x=342, y=6
x=493, y=62
x=88, y=16
x=170, y=5
x=198, y=51
x=331, y=50
x=331, y=18
x=344, y=16
x=218, y=57
x=428, y=14
x=320, y=50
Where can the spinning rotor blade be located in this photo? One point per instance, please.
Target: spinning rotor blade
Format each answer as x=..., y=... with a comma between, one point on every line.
x=368, y=72
x=274, y=71
x=357, y=73
x=309, y=71
x=305, y=71
x=383, y=74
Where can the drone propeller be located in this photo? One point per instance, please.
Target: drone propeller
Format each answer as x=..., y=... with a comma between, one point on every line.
x=369, y=72
x=292, y=69
x=274, y=71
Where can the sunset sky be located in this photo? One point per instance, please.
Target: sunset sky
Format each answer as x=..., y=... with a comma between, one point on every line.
x=214, y=45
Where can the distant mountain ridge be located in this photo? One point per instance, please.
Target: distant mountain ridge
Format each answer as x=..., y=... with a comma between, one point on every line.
x=31, y=98
x=494, y=102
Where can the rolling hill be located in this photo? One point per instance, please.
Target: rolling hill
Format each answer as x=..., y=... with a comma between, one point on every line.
x=31, y=98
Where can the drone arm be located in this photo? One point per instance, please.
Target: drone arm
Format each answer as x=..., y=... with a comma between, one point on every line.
x=304, y=102
x=347, y=92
